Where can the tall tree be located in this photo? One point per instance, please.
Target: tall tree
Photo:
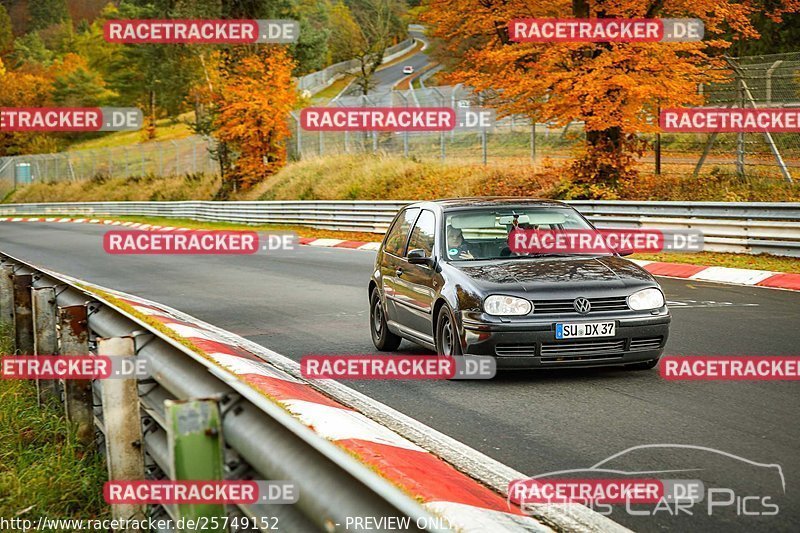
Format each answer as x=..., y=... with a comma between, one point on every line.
x=75, y=84
x=251, y=99
x=379, y=24
x=345, y=33
x=45, y=13
x=614, y=88
x=22, y=89
x=6, y=31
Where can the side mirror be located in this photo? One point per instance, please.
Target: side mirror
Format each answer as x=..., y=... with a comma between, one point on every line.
x=623, y=253
x=418, y=257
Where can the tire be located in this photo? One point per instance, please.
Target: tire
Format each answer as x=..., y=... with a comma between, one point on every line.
x=383, y=339
x=447, y=339
x=647, y=365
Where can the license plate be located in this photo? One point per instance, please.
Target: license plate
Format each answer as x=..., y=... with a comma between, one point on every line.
x=591, y=329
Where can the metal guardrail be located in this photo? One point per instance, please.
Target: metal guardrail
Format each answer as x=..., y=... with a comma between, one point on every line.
x=741, y=227
x=317, y=81
x=51, y=314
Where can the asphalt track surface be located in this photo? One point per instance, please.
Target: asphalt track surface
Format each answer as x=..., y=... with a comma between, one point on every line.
x=314, y=301
x=384, y=79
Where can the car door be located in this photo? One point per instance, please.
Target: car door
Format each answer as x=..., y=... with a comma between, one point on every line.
x=415, y=291
x=394, y=248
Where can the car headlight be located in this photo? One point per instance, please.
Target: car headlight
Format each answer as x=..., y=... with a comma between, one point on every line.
x=497, y=304
x=646, y=299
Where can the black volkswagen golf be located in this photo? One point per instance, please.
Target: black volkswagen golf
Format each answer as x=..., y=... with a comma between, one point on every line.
x=446, y=278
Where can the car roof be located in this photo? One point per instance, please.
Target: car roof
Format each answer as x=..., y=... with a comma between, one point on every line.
x=488, y=201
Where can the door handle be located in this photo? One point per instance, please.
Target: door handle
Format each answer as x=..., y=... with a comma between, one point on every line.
x=399, y=272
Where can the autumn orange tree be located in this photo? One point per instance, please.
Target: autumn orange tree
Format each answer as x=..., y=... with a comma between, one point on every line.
x=614, y=88
x=23, y=89
x=250, y=95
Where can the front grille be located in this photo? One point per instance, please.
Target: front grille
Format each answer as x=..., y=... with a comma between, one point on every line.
x=560, y=307
x=650, y=343
x=515, y=349
x=592, y=347
x=564, y=352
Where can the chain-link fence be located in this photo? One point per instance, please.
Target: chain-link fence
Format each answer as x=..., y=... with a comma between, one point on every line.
x=760, y=81
x=161, y=158
x=512, y=137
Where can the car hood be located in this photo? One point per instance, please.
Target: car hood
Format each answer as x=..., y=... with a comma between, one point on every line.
x=556, y=273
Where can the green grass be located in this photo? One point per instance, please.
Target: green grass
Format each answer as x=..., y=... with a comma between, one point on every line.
x=333, y=89
x=43, y=472
x=166, y=130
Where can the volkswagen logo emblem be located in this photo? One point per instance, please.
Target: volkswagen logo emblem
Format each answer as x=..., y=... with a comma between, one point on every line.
x=582, y=305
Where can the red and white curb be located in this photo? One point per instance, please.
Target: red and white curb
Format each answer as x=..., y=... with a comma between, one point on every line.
x=466, y=504
x=735, y=276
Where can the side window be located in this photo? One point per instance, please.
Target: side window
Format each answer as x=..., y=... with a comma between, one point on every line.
x=423, y=234
x=396, y=239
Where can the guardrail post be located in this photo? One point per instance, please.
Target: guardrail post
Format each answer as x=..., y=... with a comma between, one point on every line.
x=23, y=314
x=77, y=393
x=123, y=429
x=194, y=433
x=45, y=335
x=7, y=294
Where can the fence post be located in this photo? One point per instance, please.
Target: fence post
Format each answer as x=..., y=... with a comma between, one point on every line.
x=770, y=70
x=484, y=142
x=77, y=393
x=740, y=135
x=23, y=314
x=7, y=295
x=658, y=143
x=123, y=428
x=194, y=436
x=177, y=158
x=441, y=133
x=45, y=339
x=533, y=141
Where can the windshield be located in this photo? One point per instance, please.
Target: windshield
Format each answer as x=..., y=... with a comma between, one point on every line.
x=483, y=234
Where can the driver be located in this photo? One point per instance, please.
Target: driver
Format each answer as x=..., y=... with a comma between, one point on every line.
x=456, y=247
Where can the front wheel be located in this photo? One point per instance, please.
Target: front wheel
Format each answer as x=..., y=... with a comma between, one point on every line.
x=448, y=341
x=383, y=339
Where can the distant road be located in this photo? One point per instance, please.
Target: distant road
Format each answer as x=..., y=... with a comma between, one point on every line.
x=384, y=79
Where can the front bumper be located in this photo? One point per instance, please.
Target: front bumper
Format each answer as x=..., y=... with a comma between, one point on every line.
x=533, y=344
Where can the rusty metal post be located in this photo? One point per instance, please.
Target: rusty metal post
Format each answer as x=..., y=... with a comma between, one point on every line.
x=77, y=393
x=45, y=335
x=123, y=428
x=23, y=314
x=7, y=294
